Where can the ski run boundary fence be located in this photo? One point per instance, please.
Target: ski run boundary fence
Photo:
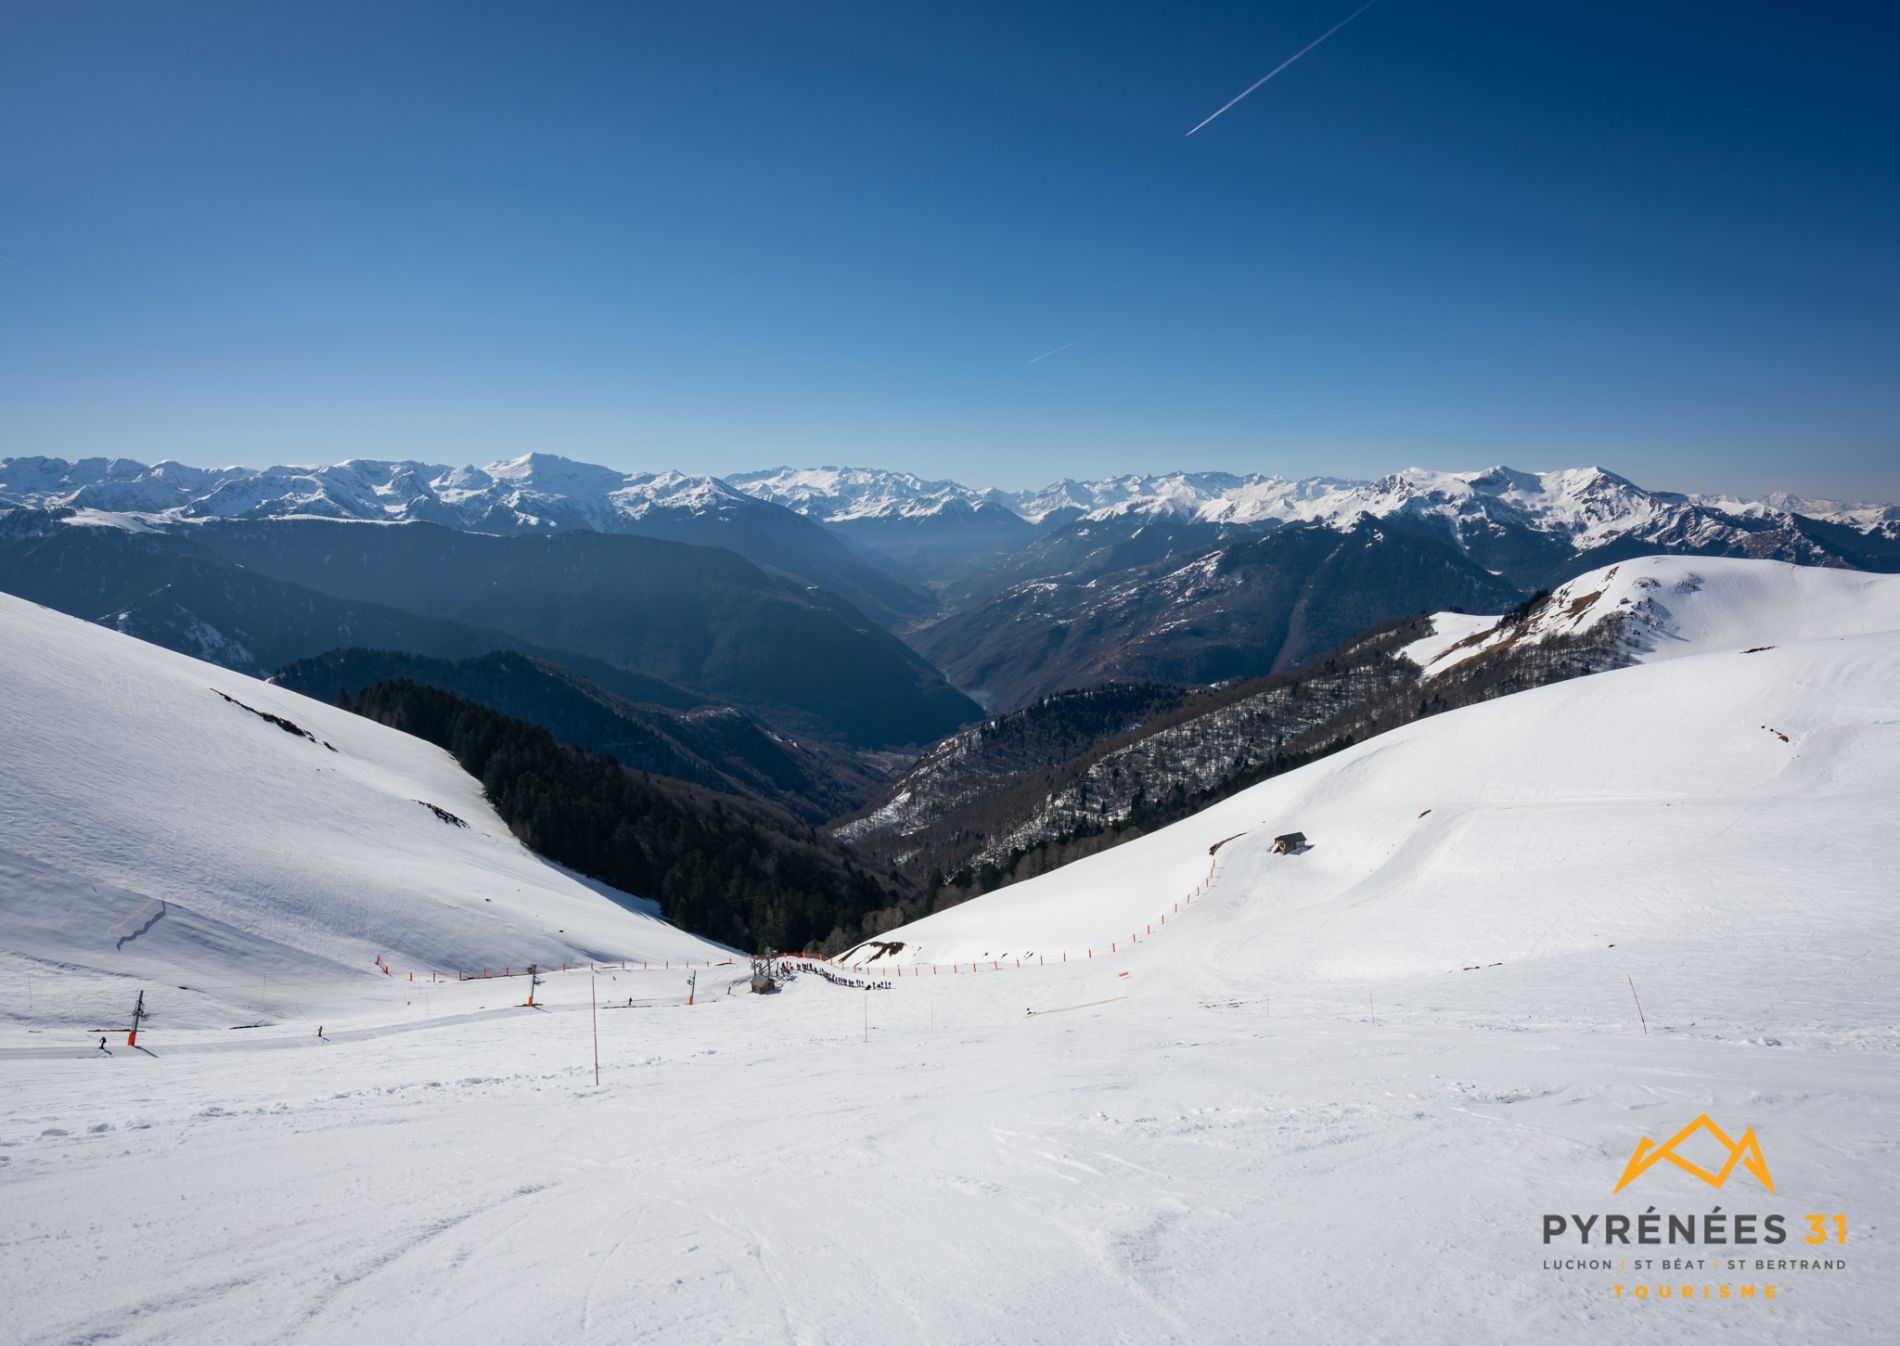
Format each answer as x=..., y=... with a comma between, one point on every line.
x=551, y=969
x=1015, y=962
x=874, y=966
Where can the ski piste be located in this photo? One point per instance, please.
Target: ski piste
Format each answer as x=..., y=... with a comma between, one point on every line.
x=1427, y=1008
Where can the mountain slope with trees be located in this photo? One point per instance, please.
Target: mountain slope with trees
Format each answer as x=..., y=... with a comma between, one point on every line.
x=697, y=616
x=651, y=621
x=725, y=868
x=969, y=818
x=1241, y=608
x=717, y=746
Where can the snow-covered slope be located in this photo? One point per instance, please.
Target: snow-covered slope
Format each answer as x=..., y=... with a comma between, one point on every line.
x=1665, y=607
x=149, y=827
x=1720, y=803
x=1334, y=1099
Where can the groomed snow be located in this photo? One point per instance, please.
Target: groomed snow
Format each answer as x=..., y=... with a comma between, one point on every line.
x=1331, y=1101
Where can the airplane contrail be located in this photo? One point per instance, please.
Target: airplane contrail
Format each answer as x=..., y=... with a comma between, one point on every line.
x=1063, y=347
x=1288, y=61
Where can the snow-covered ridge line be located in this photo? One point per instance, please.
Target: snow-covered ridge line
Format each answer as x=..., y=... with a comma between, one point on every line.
x=536, y=491
x=843, y=494
x=1866, y=516
x=1666, y=607
x=1587, y=506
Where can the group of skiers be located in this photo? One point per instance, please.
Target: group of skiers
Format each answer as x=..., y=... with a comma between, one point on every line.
x=854, y=983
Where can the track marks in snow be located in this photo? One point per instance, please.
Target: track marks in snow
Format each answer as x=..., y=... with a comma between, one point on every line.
x=410, y=1242
x=603, y=1262
x=201, y=1295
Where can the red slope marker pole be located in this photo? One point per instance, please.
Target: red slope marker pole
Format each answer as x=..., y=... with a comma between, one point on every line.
x=593, y=994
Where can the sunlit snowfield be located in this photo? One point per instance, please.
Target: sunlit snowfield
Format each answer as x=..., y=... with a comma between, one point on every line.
x=1331, y=1099
x=1211, y=1158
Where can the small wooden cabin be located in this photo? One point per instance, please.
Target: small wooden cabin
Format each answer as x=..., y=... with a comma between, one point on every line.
x=1288, y=842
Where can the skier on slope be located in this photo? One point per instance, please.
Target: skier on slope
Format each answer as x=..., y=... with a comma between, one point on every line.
x=102, y=1045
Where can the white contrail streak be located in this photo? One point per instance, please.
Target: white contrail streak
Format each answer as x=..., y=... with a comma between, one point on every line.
x=1288, y=61
x=1063, y=347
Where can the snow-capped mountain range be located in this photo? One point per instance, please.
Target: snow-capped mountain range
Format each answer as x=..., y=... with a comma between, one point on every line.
x=1184, y=576
x=536, y=491
x=544, y=491
x=841, y=494
x=1588, y=504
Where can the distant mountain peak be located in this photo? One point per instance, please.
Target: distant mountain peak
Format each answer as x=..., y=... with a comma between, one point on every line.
x=1586, y=506
x=837, y=494
x=530, y=493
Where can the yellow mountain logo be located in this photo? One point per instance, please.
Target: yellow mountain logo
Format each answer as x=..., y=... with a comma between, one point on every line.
x=1745, y=1151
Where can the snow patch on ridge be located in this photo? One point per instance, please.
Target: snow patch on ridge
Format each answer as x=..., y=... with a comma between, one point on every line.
x=1671, y=606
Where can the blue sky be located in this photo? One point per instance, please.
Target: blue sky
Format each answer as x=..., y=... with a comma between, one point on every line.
x=1658, y=237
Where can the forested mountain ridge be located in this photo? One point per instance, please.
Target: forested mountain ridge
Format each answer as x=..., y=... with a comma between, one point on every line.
x=725, y=868
x=718, y=747
x=957, y=839
x=1243, y=607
